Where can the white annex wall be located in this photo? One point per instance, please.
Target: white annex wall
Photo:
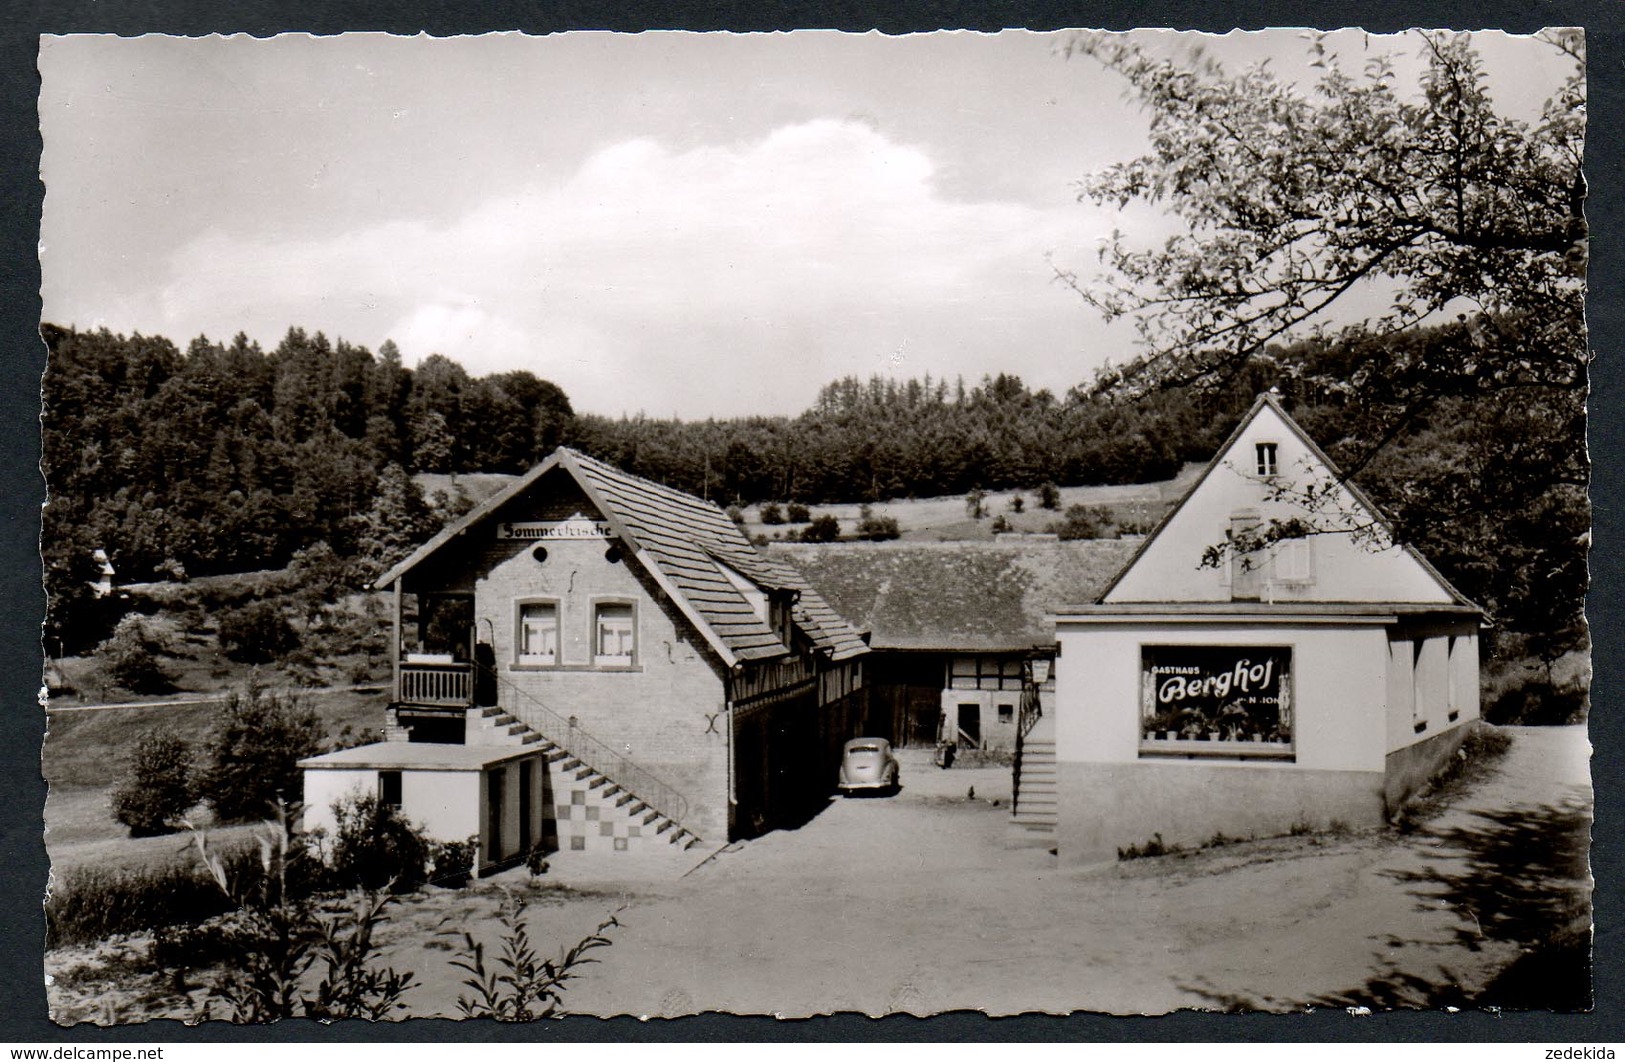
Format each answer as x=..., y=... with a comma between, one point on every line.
x=1339, y=677
x=1341, y=568
x=445, y=803
x=324, y=788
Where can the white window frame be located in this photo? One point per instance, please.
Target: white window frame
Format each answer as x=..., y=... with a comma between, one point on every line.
x=1267, y=455
x=614, y=660
x=522, y=658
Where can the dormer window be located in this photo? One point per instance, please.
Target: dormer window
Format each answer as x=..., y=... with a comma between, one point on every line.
x=1265, y=452
x=778, y=612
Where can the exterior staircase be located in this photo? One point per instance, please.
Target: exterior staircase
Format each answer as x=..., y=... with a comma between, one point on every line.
x=1033, y=809
x=587, y=811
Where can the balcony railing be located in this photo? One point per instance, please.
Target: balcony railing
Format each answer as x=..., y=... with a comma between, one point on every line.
x=451, y=684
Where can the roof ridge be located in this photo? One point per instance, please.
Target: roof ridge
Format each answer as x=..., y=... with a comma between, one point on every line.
x=665, y=488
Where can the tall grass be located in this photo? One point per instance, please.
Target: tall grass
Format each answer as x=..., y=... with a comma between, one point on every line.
x=90, y=903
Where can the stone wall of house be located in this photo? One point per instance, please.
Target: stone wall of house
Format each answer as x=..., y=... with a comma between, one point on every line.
x=660, y=711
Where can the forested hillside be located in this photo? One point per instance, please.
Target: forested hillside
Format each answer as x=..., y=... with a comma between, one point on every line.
x=230, y=458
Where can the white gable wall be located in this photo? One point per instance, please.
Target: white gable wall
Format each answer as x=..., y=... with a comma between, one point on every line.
x=1340, y=569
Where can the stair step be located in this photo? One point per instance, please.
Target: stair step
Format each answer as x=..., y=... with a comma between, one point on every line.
x=583, y=772
x=531, y=738
x=598, y=783
x=624, y=799
x=650, y=816
x=556, y=755
x=665, y=824
x=487, y=713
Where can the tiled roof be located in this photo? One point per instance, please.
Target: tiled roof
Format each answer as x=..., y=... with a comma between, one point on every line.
x=999, y=595
x=681, y=539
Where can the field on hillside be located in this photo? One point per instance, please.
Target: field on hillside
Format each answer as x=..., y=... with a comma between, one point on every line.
x=947, y=519
x=927, y=519
x=87, y=752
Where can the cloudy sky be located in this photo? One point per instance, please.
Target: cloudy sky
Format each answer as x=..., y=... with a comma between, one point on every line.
x=690, y=224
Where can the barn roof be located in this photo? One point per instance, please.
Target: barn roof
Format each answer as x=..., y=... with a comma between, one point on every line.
x=681, y=541
x=990, y=596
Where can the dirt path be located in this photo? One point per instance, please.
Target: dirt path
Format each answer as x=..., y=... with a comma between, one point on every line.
x=914, y=905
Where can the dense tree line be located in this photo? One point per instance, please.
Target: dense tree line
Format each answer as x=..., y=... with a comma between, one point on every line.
x=229, y=458
x=889, y=438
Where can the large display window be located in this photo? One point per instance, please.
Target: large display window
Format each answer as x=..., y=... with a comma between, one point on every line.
x=1216, y=701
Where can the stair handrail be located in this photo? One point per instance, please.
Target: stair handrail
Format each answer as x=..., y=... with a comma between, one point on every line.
x=1032, y=709
x=618, y=767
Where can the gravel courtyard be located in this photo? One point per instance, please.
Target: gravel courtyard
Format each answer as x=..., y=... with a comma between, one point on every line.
x=913, y=904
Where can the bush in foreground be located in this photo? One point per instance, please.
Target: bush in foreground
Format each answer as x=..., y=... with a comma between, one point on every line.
x=375, y=846
x=158, y=790
x=254, y=753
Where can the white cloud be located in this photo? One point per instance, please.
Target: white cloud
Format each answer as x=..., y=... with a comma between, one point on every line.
x=715, y=280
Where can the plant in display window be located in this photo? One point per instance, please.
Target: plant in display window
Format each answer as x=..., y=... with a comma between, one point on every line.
x=1217, y=698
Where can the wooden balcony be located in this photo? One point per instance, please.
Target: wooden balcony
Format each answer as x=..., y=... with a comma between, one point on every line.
x=436, y=683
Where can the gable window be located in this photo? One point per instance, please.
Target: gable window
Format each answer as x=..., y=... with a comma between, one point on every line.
x=614, y=634
x=1265, y=452
x=1212, y=701
x=538, y=633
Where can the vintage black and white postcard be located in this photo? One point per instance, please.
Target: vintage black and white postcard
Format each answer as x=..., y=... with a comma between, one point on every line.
x=805, y=523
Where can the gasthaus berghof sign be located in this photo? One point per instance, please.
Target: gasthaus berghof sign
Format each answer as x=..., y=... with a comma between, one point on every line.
x=1216, y=693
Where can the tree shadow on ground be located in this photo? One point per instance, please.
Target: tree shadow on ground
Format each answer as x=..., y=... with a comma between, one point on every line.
x=1520, y=876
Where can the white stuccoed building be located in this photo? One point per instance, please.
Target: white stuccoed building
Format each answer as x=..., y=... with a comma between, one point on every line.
x=1319, y=679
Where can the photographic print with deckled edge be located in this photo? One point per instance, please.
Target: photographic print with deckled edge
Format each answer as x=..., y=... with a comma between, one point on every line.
x=811, y=523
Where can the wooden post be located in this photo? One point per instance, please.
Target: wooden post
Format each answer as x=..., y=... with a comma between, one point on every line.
x=395, y=649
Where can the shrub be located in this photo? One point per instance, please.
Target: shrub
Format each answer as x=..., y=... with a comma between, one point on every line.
x=528, y=986
x=797, y=513
x=375, y=846
x=1085, y=521
x=876, y=528
x=1001, y=524
x=1018, y=505
x=452, y=862
x=772, y=514
x=130, y=657
x=257, y=633
x=254, y=751
x=824, y=529
x=1149, y=850
x=976, y=504
x=277, y=936
x=736, y=514
x=158, y=789
x=1049, y=496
